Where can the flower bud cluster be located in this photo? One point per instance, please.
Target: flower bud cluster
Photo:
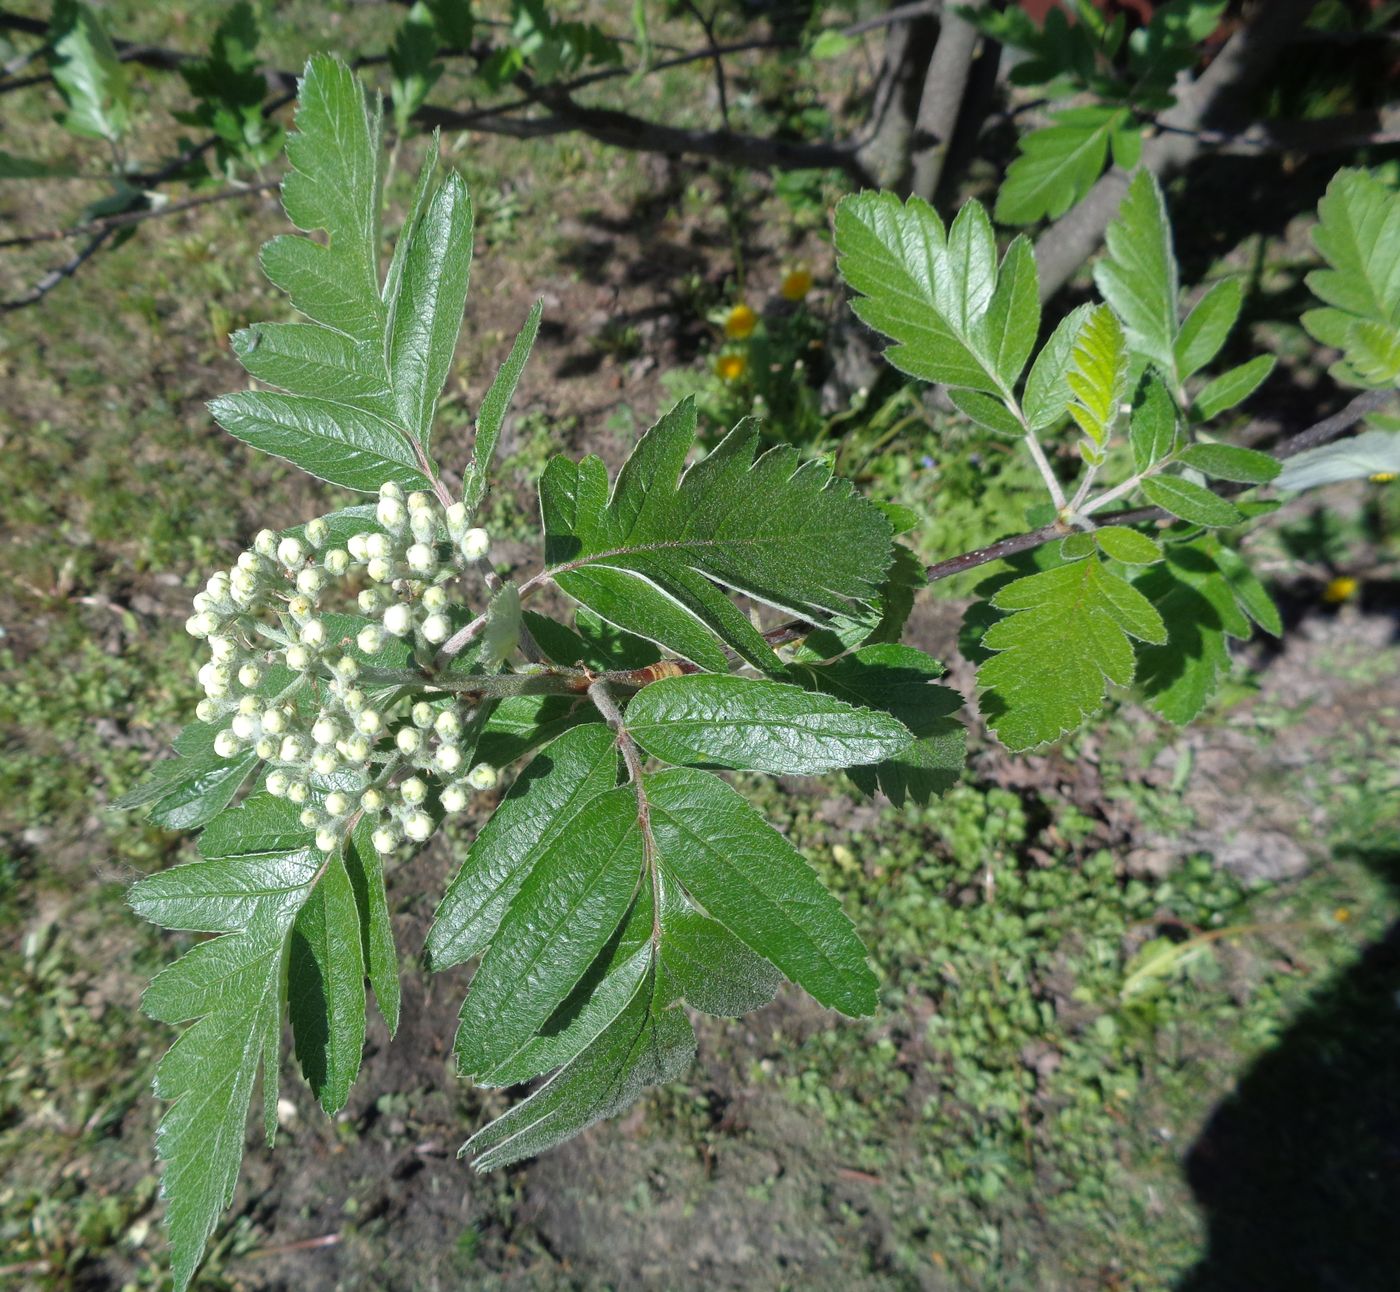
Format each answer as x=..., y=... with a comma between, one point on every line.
x=344, y=755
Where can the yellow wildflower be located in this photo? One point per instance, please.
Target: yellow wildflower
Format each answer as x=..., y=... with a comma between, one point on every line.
x=730, y=367
x=1383, y=477
x=1341, y=915
x=740, y=322
x=1340, y=589
x=797, y=282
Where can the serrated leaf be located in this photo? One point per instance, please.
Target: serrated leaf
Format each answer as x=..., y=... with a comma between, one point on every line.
x=1189, y=501
x=1230, y=462
x=1375, y=452
x=1207, y=326
x=987, y=412
x=900, y=681
x=1128, y=545
x=595, y=644
x=1058, y=165
x=1152, y=428
x=932, y=292
x=1012, y=321
x=747, y=723
x=1250, y=595
x=1056, y=656
x=494, y=406
x=565, y=911
x=1047, y=394
x=1098, y=375
x=1138, y=276
x=1373, y=352
x=1232, y=387
x=540, y=809
x=365, y=869
x=88, y=74
x=751, y=880
x=193, y=787
x=647, y=558
x=307, y=359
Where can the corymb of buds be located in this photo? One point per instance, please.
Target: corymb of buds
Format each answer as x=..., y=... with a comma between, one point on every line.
x=285, y=681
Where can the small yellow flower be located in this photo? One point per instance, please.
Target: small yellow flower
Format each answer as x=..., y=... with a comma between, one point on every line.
x=1341, y=915
x=1340, y=589
x=730, y=367
x=740, y=322
x=1383, y=477
x=796, y=283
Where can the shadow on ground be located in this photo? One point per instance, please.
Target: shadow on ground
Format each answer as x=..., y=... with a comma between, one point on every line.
x=1298, y=1172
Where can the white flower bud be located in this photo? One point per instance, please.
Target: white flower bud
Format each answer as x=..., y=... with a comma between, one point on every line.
x=265, y=543
x=475, y=544
x=423, y=525
x=243, y=587
x=274, y=722
x=454, y=798
x=409, y=740
x=266, y=748
x=317, y=532
x=457, y=518
x=309, y=817
x=370, y=639
x=372, y=801
x=249, y=561
x=298, y=658
x=448, y=759
x=434, y=599
x=217, y=587
x=391, y=514
x=483, y=777
x=356, y=544
x=201, y=625
x=291, y=553
x=250, y=674
x=313, y=633
x=245, y=727
x=385, y=839
x=418, y=826
x=337, y=803
x=436, y=628
x=354, y=749
x=389, y=489
x=250, y=704
x=413, y=790
x=421, y=559
x=353, y=700
x=201, y=601
x=215, y=679
x=422, y=714
x=381, y=570
x=327, y=839
x=448, y=724
x=206, y=711
x=293, y=748
x=298, y=791
x=378, y=545
x=368, y=722
x=325, y=762
x=325, y=732
x=277, y=783
x=372, y=600
x=222, y=648
x=346, y=668
x=300, y=607
x=398, y=619
x=418, y=500
x=226, y=744
x=337, y=562
x=310, y=581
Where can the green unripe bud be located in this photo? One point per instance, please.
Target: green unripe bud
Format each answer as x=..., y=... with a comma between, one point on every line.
x=414, y=791
x=337, y=562
x=409, y=740
x=380, y=569
x=422, y=714
x=226, y=744
x=447, y=724
x=372, y=801
x=337, y=804
x=454, y=798
x=391, y=514
x=385, y=839
x=277, y=783
x=398, y=619
x=290, y=552
x=418, y=826
x=298, y=792
x=299, y=658
x=370, y=639
x=317, y=532
x=475, y=544
x=483, y=777
x=436, y=628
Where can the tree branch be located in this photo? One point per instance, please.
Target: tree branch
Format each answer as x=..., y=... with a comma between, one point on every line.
x=944, y=86
x=57, y=275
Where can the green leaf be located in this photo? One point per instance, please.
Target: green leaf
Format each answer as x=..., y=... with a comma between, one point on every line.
x=365, y=870
x=647, y=558
x=1058, y=165
x=900, y=681
x=307, y=359
x=754, y=883
x=1047, y=394
x=647, y=1044
x=1138, y=276
x=193, y=787
x=538, y=814
x=593, y=643
x=1373, y=352
x=12, y=167
x=1190, y=502
x=427, y=315
x=412, y=64
x=565, y=911
x=326, y=987
x=492, y=413
x=939, y=296
x=1232, y=387
x=987, y=412
x=88, y=74
x=1152, y=430
x=746, y=723
x=1128, y=545
x=1098, y=376
x=1250, y=595
x=1207, y=326
x=1370, y=453
x=1229, y=462
x=1067, y=639
x=331, y=441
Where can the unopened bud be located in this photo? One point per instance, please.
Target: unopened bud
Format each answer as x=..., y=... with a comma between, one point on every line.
x=418, y=826
x=337, y=562
x=475, y=544
x=414, y=790
x=337, y=804
x=483, y=777
x=454, y=798
x=277, y=783
x=226, y=744
x=265, y=543
x=317, y=532
x=291, y=553
x=380, y=569
x=398, y=619
x=409, y=740
x=370, y=639
x=298, y=658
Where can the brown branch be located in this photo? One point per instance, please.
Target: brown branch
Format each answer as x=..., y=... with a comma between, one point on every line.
x=1063, y=247
x=1325, y=134
x=57, y=275
x=944, y=86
